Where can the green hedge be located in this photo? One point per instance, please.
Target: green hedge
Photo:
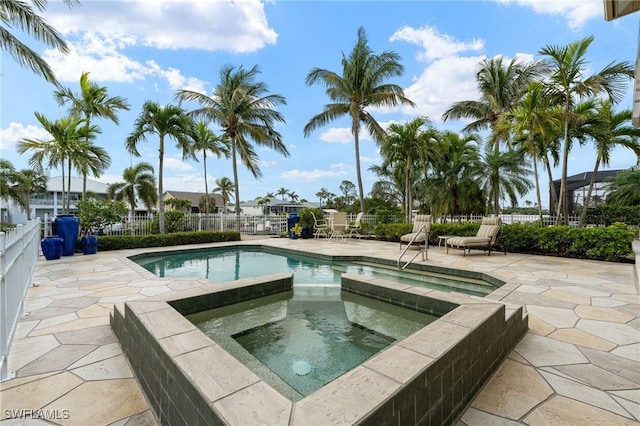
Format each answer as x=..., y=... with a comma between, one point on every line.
x=119, y=242
x=612, y=243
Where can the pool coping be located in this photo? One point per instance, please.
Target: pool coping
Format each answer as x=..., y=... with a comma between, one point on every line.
x=429, y=377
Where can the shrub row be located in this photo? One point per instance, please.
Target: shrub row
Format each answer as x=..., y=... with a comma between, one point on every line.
x=612, y=243
x=119, y=242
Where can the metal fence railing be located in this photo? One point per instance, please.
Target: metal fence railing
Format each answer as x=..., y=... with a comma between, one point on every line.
x=18, y=254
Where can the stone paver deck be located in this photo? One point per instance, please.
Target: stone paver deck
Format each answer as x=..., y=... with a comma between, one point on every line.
x=578, y=364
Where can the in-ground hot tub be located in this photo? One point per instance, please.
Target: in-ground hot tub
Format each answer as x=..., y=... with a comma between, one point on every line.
x=426, y=378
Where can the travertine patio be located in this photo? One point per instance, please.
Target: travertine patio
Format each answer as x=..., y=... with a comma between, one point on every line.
x=579, y=362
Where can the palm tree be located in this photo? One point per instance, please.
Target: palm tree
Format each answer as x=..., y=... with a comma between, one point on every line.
x=245, y=111
x=625, y=189
x=66, y=134
x=533, y=123
x=294, y=197
x=568, y=84
x=503, y=175
x=7, y=179
x=20, y=15
x=611, y=129
x=323, y=194
x=205, y=140
x=27, y=182
x=452, y=187
x=409, y=146
x=226, y=188
x=139, y=183
x=500, y=86
x=283, y=192
x=362, y=85
x=92, y=101
x=167, y=121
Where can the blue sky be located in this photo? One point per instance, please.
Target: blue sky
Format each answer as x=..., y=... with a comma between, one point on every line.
x=148, y=49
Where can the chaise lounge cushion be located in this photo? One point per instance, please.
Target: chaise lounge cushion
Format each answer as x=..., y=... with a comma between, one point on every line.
x=485, y=237
x=420, y=221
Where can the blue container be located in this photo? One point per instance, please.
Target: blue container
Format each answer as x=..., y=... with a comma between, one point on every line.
x=52, y=247
x=292, y=219
x=89, y=244
x=67, y=226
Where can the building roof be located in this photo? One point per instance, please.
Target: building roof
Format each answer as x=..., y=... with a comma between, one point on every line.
x=54, y=184
x=583, y=179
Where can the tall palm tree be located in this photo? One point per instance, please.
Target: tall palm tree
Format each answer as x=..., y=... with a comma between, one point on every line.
x=27, y=182
x=503, y=175
x=66, y=134
x=246, y=112
x=139, y=184
x=20, y=15
x=323, y=194
x=163, y=121
x=532, y=122
x=410, y=147
x=205, y=140
x=500, y=85
x=610, y=129
x=92, y=101
x=569, y=83
x=225, y=186
x=362, y=85
x=282, y=192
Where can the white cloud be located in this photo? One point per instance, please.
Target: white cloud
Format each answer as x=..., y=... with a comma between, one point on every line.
x=239, y=26
x=102, y=57
x=264, y=163
x=342, y=135
x=576, y=12
x=18, y=131
x=335, y=170
x=448, y=77
x=172, y=163
x=435, y=45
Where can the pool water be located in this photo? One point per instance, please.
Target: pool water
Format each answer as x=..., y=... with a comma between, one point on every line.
x=230, y=264
x=299, y=342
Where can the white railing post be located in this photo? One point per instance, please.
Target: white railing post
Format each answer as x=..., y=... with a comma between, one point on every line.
x=4, y=320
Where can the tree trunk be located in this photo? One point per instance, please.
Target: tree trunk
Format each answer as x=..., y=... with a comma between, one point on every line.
x=356, y=131
x=236, y=186
x=563, y=196
x=160, y=186
x=537, y=178
x=206, y=185
x=552, y=188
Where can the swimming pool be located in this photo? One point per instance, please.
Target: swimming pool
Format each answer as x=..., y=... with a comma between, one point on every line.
x=234, y=263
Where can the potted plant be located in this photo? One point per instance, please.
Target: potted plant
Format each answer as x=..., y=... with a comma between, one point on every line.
x=296, y=231
x=306, y=220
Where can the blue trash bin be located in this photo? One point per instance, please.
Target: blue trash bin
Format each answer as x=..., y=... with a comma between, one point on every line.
x=66, y=226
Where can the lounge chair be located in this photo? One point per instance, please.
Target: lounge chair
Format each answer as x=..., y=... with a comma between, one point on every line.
x=320, y=227
x=485, y=239
x=420, y=232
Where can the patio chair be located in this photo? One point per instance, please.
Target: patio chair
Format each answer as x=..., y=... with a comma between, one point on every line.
x=320, y=227
x=354, y=230
x=485, y=239
x=420, y=232
x=339, y=225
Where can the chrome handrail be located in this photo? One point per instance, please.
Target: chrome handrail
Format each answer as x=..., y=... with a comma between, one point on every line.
x=425, y=254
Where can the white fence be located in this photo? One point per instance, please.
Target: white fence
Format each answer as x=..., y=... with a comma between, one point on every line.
x=18, y=255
